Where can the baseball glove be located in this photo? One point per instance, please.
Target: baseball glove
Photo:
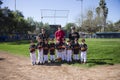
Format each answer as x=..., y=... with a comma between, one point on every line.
x=59, y=59
x=32, y=49
x=45, y=48
x=52, y=48
x=83, y=49
x=39, y=47
x=76, y=48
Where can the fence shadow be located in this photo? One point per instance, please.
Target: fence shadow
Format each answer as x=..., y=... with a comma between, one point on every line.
x=101, y=61
x=90, y=62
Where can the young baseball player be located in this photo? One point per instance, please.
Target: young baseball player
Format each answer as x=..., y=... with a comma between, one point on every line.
x=84, y=48
x=45, y=51
x=76, y=48
x=69, y=48
x=32, y=52
x=40, y=51
x=59, y=50
x=52, y=50
x=63, y=55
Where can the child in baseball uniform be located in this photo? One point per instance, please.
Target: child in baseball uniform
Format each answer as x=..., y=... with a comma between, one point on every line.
x=76, y=48
x=32, y=52
x=52, y=50
x=63, y=55
x=45, y=51
x=40, y=51
x=59, y=50
x=69, y=49
x=84, y=48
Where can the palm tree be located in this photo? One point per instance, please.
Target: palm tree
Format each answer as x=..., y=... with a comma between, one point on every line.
x=1, y=3
x=102, y=8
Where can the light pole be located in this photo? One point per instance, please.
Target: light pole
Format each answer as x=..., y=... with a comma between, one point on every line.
x=81, y=11
x=15, y=5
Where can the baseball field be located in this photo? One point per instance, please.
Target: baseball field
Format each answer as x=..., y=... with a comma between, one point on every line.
x=103, y=59
x=100, y=51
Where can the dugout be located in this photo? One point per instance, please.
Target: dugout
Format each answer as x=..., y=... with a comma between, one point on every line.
x=16, y=36
x=108, y=34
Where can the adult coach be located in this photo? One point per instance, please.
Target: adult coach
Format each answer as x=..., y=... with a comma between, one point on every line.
x=43, y=35
x=59, y=34
x=73, y=35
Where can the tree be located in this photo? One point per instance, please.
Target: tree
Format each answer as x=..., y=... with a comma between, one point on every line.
x=30, y=21
x=102, y=12
x=110, y=27
x=40, y=25
x=113, y=27
x=14, y=22
x=46, y=26
x=1, y=3
x=68, y=26
x=89, y=25
x=117, y=26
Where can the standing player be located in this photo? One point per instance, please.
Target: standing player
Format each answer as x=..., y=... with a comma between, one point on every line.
x=76, y=48
x=73, y=35
x=40, y=51
x=32, y=52
x=52, y=50
x=59, y=34
x=43, y=35
x=45, y=51
x=84, y=48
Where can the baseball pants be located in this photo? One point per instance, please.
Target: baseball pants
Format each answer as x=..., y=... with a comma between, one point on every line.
x=45, y=58
x=76, y=56
x=69, y=55
x=83, y=56
x=40, y=56
x=33, y=57
x=52, y=57
x=59, y=54
x=63, y=55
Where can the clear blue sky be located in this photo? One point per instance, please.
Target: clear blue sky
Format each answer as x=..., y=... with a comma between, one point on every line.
x=32, y=8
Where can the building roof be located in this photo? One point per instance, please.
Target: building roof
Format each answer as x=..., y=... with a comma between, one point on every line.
x=108, y=33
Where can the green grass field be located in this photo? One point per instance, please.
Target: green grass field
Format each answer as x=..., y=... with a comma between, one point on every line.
x=100, y=51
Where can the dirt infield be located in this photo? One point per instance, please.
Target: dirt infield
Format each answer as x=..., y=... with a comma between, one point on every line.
x=19, y=68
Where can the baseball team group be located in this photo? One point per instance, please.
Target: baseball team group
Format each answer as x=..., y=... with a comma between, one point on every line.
x=58, y=49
